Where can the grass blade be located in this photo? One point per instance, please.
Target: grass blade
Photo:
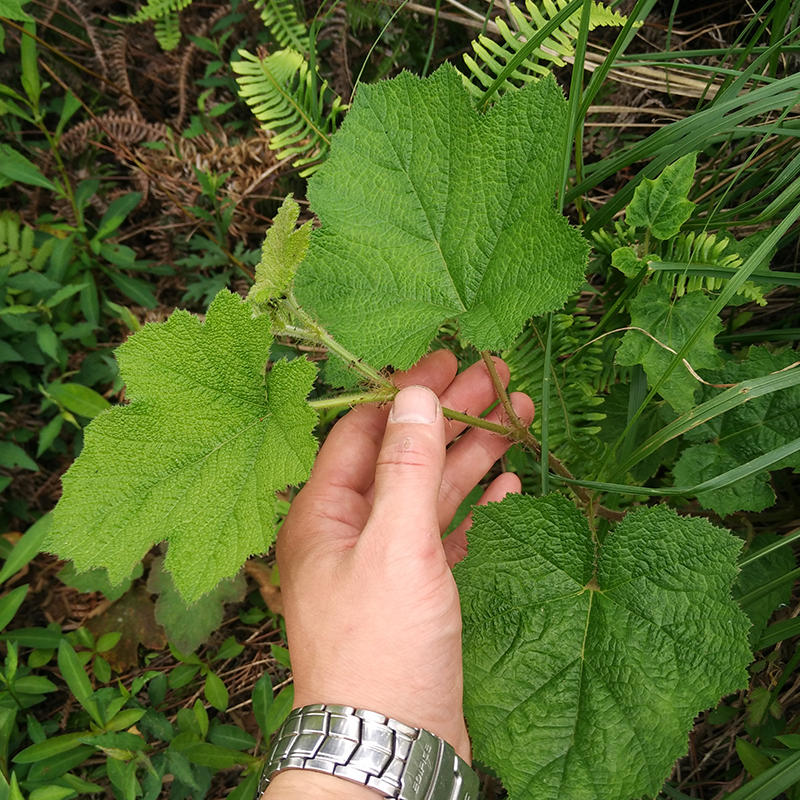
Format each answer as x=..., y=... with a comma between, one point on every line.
x=725, y=401
x=779, y=632
x=684, y=136
x=782, y=542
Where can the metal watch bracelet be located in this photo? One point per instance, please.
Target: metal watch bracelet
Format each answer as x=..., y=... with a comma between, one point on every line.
x=396, y=760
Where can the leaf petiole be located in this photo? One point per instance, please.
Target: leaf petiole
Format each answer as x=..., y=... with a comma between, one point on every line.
x=318, y=333
x=384, y=396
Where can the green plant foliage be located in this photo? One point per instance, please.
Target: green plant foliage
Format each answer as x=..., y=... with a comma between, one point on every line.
x=593, y=660
x=461, y=225
x=702, y=250
x=670, y=322
x=196, y=457
x=284, y=249
x=154, y=10
x=560, y=45
x=590, y=645
x=617, y=411
x=742, y=434
x=280, y=16
x=17, y=249
x=189, y=625
x=661, y=205
x=12, y=9
x=759, y=572
x=167, y=30
x=574, y=417
x=286, y=97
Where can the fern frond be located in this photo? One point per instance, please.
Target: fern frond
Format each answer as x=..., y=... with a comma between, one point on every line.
x=18, y=251
x=121, y=128
x=168, y=31
x=280, y=18
x=155, y=10
x=494, y=57
x=286, y=98
x=698, y=250
x=606, y=242
x=573, y=419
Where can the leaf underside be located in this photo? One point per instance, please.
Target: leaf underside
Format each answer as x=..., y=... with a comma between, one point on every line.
x=188, y=627
x=432, y=212
x=594, y=673
x=197, y=455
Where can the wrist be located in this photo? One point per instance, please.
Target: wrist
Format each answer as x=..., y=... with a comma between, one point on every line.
x=294, y=783
x=446, y=723
x=377, y=753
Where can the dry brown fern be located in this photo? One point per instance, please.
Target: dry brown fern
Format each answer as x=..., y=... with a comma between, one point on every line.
x=252, y=165
x=118, y=69
x=125, y=129
x=92, y=34
x=185, y=80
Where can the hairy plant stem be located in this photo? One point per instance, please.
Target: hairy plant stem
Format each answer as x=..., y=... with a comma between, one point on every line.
x=316, y=332
x=386, y=395
x=502, y=394
x=384, y=391
x=519, y=432
x=354, y=399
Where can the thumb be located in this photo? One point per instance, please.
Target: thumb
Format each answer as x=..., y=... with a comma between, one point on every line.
x=408, y=472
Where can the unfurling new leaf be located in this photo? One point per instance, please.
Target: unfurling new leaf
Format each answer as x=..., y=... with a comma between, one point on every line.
x=196, y=457
x=284, y=248
x=593, y=660
x=431, y=212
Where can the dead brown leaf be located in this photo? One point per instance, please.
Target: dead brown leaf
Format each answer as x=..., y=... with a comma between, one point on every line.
x=262, y=575
x=133, y=615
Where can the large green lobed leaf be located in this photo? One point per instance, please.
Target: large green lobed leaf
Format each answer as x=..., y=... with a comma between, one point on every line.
x=585, y=665
x=196, y=457
x=432, y=212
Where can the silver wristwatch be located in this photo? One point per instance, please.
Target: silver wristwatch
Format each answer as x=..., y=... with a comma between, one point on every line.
x=396, y=760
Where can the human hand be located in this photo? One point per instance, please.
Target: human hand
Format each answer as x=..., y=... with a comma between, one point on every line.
x=372, y=610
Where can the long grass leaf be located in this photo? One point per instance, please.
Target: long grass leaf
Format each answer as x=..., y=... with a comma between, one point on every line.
x=779, y=632
x=725, y=401
x=782, y=542
x=714, y=270
x=758, y=464
x=682, y=137
x=637, y=15
x=574, y=124
x=766, y=588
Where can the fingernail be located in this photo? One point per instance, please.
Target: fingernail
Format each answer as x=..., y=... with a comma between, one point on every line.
x=415, y=404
